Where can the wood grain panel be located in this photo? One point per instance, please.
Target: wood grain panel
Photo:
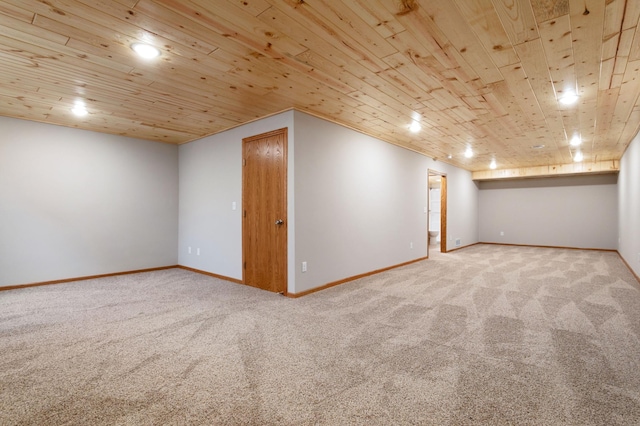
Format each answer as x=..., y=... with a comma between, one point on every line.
x=517, y=20
x=485, y=23
x=264, y=203
x=545, y=10
x=485, y=73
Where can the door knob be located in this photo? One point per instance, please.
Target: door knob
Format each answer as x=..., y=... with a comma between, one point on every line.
x=279, y=222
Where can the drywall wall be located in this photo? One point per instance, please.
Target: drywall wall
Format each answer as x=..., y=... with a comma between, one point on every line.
x=210, y=184
x=76, y=203
x=360, y=203
x=578, y=211
x=629, y=206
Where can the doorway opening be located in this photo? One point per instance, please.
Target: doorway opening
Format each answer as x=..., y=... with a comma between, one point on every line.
x=437, y=211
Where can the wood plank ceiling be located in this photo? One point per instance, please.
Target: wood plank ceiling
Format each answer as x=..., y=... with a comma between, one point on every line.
x=484, y=74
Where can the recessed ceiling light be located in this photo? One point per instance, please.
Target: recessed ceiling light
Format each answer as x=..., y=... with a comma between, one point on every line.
x=577, y=157
x=576, y=140
x=449, y=156
x=415, y=127
x=79, y=109
x=468, y=153
x=568, y=98
x=493, y=164
x=145, y=50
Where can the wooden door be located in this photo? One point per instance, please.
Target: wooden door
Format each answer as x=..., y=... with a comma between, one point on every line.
x=264, y=203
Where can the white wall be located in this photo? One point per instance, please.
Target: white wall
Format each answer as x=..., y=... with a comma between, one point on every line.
x=75, y=203
x=359, y=203
x=462, y=205
x=629, y=205
x=354, y=203
x=210, y=181
x=578, y=212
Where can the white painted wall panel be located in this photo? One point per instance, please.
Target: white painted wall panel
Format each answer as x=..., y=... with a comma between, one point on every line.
x=629, y=205
x=578, y=212
x=76, y=203
x=360, y=203
x=210, y=181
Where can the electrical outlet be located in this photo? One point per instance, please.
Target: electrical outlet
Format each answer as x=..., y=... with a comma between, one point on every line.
x=410, y=245
x=304, y=266
x=198, y=251
x=502, y=233
x=189, y=250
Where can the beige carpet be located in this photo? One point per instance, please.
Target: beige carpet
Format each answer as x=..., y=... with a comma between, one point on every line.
x=488, y=335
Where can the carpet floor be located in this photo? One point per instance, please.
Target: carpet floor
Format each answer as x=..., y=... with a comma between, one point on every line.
x=487, y=335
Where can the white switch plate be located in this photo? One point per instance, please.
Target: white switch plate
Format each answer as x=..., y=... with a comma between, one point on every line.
x=189, y=250
x=502, y=233
x=304, y=266
x=233, y=206
x=198, y=251
x=410, y=245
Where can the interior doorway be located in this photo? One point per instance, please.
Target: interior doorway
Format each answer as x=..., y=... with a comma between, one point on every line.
x=437, y=211
x=264, y=216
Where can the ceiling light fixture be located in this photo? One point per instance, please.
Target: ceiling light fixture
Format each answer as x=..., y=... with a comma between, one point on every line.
x=568, y=98
x=145, y=51
x=468, y=153
x=537, y=146
x=576, y=140
x=79, y=109
x=415, y=127
x=493, y=164
x=577, y=157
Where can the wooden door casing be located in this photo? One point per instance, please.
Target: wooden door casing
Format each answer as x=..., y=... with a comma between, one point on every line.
x=443, y=214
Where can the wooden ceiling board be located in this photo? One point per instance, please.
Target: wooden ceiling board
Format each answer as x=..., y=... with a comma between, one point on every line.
x=484, y=74
x=534, y=64
x=485, y=22
x=517, y=19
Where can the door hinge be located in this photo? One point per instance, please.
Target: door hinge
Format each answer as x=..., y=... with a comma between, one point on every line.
x=245, y=265
x=244, y=161
x=245, y=213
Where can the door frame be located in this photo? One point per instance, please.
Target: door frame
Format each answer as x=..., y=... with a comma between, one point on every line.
x=285, y=255
x=443, y=207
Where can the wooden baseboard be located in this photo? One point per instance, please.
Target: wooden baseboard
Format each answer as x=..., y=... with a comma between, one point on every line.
x=355, y=277
x=463, y=247
x=553, y=247
x=88, y=277
x=211, y=274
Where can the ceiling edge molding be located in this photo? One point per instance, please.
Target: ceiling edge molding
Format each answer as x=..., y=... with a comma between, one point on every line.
x=584, y=168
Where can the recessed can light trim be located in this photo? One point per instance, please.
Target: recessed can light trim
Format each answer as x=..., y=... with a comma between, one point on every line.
x=145, y=51
x=569, y=98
